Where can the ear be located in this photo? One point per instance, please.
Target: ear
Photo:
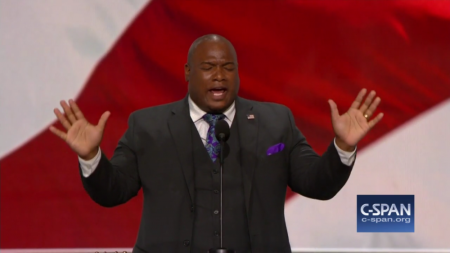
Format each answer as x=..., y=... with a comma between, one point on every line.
x=187, y=71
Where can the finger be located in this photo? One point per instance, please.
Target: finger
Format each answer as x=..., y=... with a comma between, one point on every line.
x=76, y=110
x=369, y=112
x=334, y=110
x=62, y=119
x=103, y=119
x=58, y=133
x=377, y=119
x=68, y=112
x=368, y=102
x=358, y=99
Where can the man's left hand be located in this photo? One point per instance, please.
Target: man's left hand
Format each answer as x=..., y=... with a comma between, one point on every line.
x=353, y=125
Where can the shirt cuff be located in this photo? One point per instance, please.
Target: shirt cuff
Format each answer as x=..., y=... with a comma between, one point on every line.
x=347, y=158
x=88, y=166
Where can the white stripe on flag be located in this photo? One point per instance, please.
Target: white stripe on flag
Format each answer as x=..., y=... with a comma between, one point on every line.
x=412, y=159
x=48, y=50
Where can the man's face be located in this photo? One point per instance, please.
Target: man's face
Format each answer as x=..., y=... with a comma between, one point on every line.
x=213, y=76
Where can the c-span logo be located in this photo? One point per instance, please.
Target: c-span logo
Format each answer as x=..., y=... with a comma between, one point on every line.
x=385, y=213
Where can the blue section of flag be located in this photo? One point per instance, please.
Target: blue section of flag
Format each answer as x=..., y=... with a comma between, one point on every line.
x=385, y=213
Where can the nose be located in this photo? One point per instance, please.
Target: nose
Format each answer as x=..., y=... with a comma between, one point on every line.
x=219, y=75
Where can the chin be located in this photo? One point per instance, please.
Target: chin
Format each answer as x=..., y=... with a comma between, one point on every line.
x=218, y=107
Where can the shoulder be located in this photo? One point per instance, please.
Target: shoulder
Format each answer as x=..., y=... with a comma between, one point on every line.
x=266, y=107
x=159, y=111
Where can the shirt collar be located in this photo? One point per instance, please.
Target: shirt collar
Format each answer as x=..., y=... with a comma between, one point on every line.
x=197, y=113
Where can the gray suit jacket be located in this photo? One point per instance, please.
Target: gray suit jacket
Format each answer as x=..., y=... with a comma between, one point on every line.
x=155, y=154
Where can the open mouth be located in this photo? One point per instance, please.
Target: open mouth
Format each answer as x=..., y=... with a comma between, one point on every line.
x=218, y=93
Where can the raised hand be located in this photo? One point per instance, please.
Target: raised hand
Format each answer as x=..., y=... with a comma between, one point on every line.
x=82, y=137
x=353, y=125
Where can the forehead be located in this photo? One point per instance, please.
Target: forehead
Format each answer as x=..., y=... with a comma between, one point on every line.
x=214, y=50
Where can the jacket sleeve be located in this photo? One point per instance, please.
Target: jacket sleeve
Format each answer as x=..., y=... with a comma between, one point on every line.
x=311, y=175
x=116, y=181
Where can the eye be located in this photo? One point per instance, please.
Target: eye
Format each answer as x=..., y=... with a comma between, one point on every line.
x=228, y=66
x=206, y=66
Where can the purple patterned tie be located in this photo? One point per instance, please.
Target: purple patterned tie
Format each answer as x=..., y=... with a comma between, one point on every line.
x=212, y=144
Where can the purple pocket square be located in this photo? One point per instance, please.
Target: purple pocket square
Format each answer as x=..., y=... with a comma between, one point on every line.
x=275, y=149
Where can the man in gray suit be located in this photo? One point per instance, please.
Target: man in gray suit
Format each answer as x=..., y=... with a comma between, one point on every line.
x=170, y=151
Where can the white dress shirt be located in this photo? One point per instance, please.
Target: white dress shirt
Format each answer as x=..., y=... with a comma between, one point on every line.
x=88, y=166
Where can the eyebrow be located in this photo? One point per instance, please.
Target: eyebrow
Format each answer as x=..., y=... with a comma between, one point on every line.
x=211, y=63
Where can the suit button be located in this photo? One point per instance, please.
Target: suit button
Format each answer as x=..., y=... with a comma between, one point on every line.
x=215, y=171
x=216, y=211
x=216, y=233
x=192, y=208
x=216, y=191
x=186, y=243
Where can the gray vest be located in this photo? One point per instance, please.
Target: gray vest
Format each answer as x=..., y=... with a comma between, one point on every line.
x=207, y=198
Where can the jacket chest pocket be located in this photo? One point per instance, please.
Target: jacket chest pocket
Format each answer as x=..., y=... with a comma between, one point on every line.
x=274, y=167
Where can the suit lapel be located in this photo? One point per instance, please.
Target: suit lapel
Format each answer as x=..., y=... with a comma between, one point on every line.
x=247, y=120
x=180, y=129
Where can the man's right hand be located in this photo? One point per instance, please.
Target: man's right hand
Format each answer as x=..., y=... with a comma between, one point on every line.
x=82, y=137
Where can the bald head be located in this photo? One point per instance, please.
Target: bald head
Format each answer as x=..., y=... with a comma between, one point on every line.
x=211, y=38
x=212, y=73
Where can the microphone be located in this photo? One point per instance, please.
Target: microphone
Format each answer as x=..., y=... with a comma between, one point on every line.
x=222, y=132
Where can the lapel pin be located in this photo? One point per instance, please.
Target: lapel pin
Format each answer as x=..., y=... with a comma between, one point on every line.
x=250, y=116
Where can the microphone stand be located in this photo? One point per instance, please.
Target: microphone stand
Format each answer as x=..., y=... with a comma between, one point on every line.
x=221, y=249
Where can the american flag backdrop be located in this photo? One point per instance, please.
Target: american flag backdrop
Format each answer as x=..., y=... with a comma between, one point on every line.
x=123, y=55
